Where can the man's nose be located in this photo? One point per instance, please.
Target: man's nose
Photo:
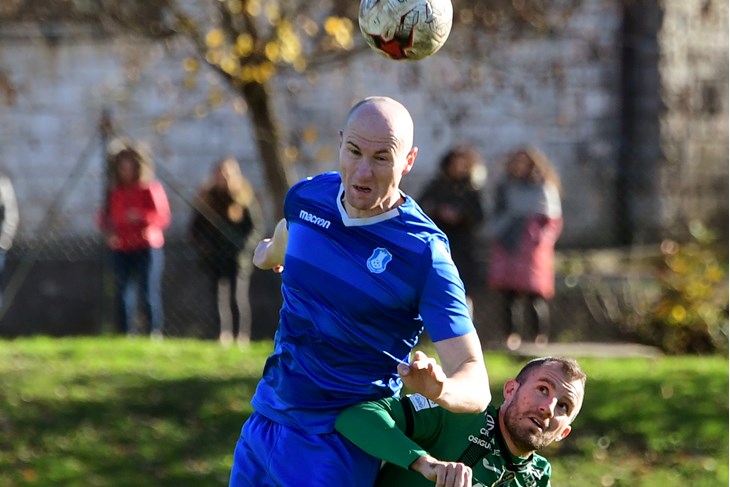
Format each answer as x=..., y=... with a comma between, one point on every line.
x=364, y=167
x=548, y=407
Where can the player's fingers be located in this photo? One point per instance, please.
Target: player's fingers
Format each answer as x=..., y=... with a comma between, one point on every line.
x=419, y=355
x=449, y=475
x=440, y=476
x=467, y=475
x=420, y=364
x=458, y=475
x=437, y=372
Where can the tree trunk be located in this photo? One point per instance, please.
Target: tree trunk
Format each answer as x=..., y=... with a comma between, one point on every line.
x=279, y=176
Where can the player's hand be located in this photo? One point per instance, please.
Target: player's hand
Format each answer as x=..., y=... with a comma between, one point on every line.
x=270, y=252
x=424, y=376
x=444, y=474
x=262, y=254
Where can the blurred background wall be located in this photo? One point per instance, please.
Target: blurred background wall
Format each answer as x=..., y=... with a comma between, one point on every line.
x=628, y=99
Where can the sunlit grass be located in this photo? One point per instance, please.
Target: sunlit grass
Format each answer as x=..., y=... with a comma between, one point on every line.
x=121, y=412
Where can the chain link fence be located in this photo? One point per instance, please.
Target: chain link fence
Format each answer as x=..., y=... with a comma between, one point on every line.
x=59, y=282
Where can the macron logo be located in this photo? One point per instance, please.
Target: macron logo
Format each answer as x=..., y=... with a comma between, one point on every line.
x=320, y=222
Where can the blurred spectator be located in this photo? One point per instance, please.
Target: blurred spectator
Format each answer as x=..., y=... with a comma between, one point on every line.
x=8, y=220
x=452, y=200
x=526, y=223
x=136, y=214
x=226, y=226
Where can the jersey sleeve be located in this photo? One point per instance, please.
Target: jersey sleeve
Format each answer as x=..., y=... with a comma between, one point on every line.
x=379, y=427
x=443, y=302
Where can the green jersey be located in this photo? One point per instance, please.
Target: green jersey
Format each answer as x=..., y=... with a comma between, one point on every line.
x=378, y=427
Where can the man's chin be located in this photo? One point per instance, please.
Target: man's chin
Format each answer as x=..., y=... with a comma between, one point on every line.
x=360, y=204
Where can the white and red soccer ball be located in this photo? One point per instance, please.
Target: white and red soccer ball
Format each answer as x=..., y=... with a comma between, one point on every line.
x=405, y=29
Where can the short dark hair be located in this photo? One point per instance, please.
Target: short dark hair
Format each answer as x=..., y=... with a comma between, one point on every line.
x=570, y=367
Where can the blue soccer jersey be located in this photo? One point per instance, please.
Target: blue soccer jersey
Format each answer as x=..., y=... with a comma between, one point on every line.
x=357, y=293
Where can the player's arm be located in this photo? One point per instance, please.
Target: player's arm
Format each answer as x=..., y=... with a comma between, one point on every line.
x=460, y=384
x=467, y=386
x=270, y=252
x=378, y=428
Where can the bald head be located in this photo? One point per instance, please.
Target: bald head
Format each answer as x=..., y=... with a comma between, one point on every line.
x=382, y=109
x=376, y=151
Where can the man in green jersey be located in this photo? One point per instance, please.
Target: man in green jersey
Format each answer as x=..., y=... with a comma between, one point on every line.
x=423, y=443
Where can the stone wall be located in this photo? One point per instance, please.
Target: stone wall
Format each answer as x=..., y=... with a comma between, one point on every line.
x=628, y=101
x=631, y=105
x=556, y=90
x=694, y=124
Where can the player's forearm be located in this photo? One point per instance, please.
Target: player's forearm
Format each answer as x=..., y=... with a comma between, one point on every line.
x=467, y=389
x=371, y=427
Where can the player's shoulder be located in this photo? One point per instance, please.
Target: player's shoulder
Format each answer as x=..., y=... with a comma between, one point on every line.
x=418, y=223
x=316, y=183
x=315, y=187
x=326, y=179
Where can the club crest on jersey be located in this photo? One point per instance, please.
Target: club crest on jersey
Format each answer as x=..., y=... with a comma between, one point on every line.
x=379, y=260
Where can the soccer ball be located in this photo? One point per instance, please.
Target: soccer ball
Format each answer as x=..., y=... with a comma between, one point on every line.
x=405, y=29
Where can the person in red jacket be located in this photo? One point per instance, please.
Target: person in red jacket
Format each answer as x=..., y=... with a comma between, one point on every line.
x=136, y=214
x=526, y=223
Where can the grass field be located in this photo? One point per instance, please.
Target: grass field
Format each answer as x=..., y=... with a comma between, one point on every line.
x=120, y=412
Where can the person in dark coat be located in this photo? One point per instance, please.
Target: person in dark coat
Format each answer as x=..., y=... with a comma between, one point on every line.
x=452, y=200
x=226, y=226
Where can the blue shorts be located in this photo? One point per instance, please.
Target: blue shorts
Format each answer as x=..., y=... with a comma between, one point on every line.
x=271, y=454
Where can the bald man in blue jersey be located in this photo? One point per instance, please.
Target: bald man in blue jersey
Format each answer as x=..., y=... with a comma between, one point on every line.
x=364, y=271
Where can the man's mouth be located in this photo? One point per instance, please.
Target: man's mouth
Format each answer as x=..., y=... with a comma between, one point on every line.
x=361, y=189
x=538, y=423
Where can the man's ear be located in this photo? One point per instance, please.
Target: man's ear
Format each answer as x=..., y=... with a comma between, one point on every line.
x=509, y=389
x=565, y=433
x=410, y=160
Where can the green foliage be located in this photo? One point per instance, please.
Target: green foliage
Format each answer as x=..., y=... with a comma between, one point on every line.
x=130, y=412
x=649, y=422
x=691, y=313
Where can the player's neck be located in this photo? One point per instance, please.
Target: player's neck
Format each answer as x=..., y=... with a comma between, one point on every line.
x=513, y=449
x=353, y=212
